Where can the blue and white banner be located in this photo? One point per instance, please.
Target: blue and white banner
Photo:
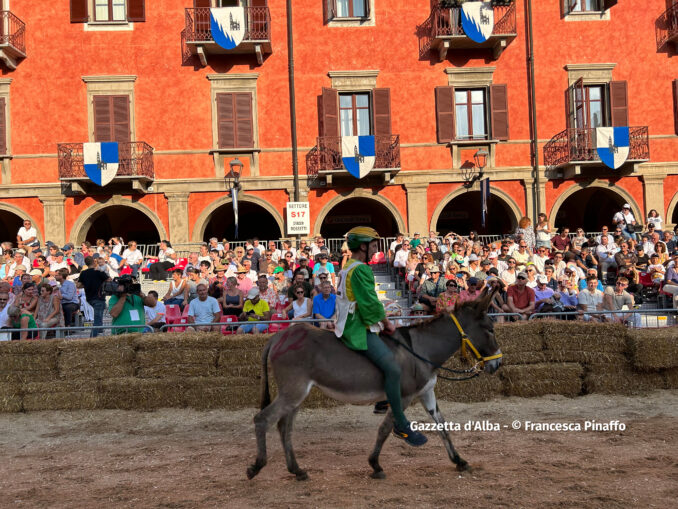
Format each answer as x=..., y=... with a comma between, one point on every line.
x=234, y=197
x=477, y=20
x=484, y=198
x=612, y=144
x=101, y=161
x=228, y=26
x=358, y=154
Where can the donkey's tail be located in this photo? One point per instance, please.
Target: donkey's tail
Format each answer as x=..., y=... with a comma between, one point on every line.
x=265, y=391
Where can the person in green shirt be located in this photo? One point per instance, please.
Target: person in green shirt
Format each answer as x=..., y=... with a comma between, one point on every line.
x=128, y=309
x=20, y=320
x=415, y=241
x=361, y=317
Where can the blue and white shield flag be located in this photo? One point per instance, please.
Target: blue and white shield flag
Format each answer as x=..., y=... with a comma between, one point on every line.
x=101, y=161
x=612, y=144
x=228, y=26
x=234, y=197
x=358, y=154
x=477, y=20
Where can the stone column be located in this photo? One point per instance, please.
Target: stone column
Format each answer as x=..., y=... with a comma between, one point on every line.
x=529, y=197
x=653, y=191
x=55, y=219
x=417, y=208
x=177, y=209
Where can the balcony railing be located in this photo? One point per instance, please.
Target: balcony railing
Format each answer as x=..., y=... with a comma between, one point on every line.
x=326, y=155
x=667, y=27
x=573, y=146
x=445, y=23
x=198, y=26
x=136, y=160
x=12, y=38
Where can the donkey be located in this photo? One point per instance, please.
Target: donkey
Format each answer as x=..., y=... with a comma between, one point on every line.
x=303, y=356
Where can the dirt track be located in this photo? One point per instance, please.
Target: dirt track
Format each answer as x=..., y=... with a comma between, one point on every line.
x=184, y=458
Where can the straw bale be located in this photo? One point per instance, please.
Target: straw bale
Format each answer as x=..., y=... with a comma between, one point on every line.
x=44, y=375
x=29, y=347
x=252, y=371
x=249, y=357
x=514, y=358
x=28, y=362
x=94, y=359
x=626, y=382
x=654, y=349
x=61, y=395
x=532, y=380
x=157, y=356
x=519, y=337
x=608, y=338
x=245, y=341
x=670, y=378
x=481, y=388
x=176, y=370
x=10, y=397
x=610, y=361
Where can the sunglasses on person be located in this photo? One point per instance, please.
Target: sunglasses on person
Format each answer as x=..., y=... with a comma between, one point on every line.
x=288, y=256
x=511, y=263
x=521, y=277
x=299, y=293
x=322, y=277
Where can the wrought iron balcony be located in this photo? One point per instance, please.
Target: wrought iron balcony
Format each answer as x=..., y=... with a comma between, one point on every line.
x=324, y=162
x=12, y=39
x=136, y=165
x=574, y=148
x=197, y=36
x=666, y=27
x=442, y=30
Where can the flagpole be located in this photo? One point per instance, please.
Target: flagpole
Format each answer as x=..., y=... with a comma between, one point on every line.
x=293, y=106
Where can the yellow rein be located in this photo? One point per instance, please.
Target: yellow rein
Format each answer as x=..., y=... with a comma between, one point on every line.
x=465, y=341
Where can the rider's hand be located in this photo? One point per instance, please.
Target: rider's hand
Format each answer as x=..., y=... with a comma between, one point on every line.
x=389, y=328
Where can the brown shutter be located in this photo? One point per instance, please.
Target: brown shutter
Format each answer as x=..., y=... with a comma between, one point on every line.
x=367, y=7
x=79, y=11
x=202, y=3
x=243, y=117
x=102, y=118
x=619, y=103
x=330, y=113
x=381, y=98
x=675, y=105
x=609, y=3
x=226, y=121
x=136, y=10
x=499, y=112
x=121, y=119
x=3, y=127
x=445, y=114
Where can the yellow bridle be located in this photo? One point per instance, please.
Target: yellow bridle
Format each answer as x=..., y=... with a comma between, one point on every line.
x=466, y=342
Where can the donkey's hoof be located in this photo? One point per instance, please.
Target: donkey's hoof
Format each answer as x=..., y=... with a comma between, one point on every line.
x=378, y=475
x=462, y=466
x=252, y=470
x=301, y=475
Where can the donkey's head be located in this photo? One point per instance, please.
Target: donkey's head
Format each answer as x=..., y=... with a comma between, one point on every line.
x=479, y=328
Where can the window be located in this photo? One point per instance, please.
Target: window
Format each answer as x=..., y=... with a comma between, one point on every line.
x=112, y=118
x=107, y=11
x=469, y=111
x=350, y=8
x=110, y=10
x=234, y=112
x=597, y=105
x=354, y=13
x=354, y=111
x=585, y=5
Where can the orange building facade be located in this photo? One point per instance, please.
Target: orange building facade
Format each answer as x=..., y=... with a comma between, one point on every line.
x=150, y=76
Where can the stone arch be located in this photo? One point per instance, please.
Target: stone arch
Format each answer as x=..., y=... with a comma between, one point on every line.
x=18, y=211
x=499, y=193
x=601, y=184
x=206, y=215
x=86, y=219
x=358, y=193
x=672, y=211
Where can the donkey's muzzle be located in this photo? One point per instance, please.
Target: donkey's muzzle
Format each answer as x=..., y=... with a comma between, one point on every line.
x=493, y=365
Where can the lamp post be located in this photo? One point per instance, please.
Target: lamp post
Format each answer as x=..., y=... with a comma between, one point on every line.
x=233, y=176
x=469, y=173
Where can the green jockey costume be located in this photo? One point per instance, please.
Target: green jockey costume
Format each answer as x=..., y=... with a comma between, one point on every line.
x=360, y=319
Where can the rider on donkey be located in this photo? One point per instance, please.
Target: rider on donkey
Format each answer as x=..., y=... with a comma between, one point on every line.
x=360, y=319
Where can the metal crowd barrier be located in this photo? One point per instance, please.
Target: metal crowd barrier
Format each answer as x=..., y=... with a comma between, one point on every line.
x=59, y=331
x=638, y=314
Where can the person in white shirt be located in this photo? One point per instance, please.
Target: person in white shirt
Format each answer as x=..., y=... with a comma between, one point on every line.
x=276, y=254
x=654, y=218
x=590, y=299
x=539, y=258
x=624, y=218
x=132, y=258
x=605, y=255
x=116, y=245
x=400, y=260
x=27, y=236
x=19, y=259
x=318, y=245
x=155, y=315
x=58, y=264
x=392, y=248
x=605, y=231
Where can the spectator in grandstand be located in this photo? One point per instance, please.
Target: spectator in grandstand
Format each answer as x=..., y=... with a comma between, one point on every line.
x=252, y=256
x=251, y=274
x=660, y=250
x=100, y=245
x=303, y=268
x=232, y=298
x=58, y=263
x=301, y=306
x=324, y=305
x=624, y=258
x=255, y=309
x=668, y=240
x=509, y=275
x=526, y=233
x=522, y=255
x=204, y=310
x=127, y=309
x=193, y=262
x=266, y=264
x=166, y=259
x=244, y=281
x=219, y=276
x=319, y=279
x=205, y=270
x=625, y=220
x=324, y=264
x=132, y=258
x=394, y=247
x=432, y=288
x=567, y=290
x=590, y=299
x=578, y=241
x=18, y=260
x=434, y=251
x=70, y=300
x=276, y=253
x=473, y=264
x=616, y=298
x=671, y=279
x=116, y=245
x=27, y=298
x=4, y=308
x=154, y=310
x=542, y=231
x=48, y=311
x=288, y=266
x=521, y=298
x=472, y=291
x=543, y=295
x=583, y=282
x=216, y=245
x=402, y=256
x=642, y=260
x=561, y=242
x=653, y=218
x=177, y=291
x=656, y=269
x=19, y=319
x=299, y=280
x=36, y=277
x=267, y=292
x=605, y=253
x=192, y=283
x=92, y=280
x=204, y=254
x=280, y=282
x=416, y=240
x=531, y=272
x=447, y=300
x=318, y=245
x=481, y=274
x=27, y=236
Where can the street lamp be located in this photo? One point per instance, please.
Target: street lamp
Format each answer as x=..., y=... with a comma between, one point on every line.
x=469, y=172
x=233, y=176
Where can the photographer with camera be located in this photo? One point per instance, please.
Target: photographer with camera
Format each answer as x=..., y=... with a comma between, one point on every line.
x=126, y=305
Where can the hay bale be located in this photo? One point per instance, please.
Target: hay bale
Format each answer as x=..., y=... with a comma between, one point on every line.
x=532, y=380
x=61, y=395
x=169, y=362
x=245, y=357
x=654, y=349
x=28, y=361
x=481, y=388
x=96, y=358
x=520, y=336
x=11, y=397
x=670, y=378
x=584, y=336
x=515, y=358
x=252, y=371
x=623, y=382
x=609, y=361
x=245, y=341
x=29, y=347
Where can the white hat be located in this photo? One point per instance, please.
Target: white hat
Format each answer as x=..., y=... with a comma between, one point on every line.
x=253, y=293
x=626, y=206
x=472, y=257
x=542, y=279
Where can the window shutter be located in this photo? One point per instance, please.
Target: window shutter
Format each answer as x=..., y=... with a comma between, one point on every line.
x=575, y=105
x=675, y=105
x=499, y=112
x=79, y=11
x=136, y=10
x=102, y=118
x=381, y=98
x=619, y=103
x=243, y=116
x=121, y=119
x=226, y=121
x=367, y=8
x=609, y=3
x=330, y=113
x=202, y=3
x=3, y=127
x=445, y=114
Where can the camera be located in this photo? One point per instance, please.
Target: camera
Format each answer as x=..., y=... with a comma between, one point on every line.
x=130, y=287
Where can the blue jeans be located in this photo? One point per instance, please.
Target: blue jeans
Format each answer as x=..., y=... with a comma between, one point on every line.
x=261, y=327
x=99, y=308
x=135, y=269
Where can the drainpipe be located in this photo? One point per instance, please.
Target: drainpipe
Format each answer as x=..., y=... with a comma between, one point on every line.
x=533, y=115
x=293, y=103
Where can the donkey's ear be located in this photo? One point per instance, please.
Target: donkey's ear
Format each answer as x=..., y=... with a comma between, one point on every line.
x=484, y=300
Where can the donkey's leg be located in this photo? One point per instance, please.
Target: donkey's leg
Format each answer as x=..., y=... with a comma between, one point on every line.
x=428, y=400
x=285, y=428
x=383, y=433
x=262, y=422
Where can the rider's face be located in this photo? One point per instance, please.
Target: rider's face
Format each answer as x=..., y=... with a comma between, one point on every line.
x=372, y=249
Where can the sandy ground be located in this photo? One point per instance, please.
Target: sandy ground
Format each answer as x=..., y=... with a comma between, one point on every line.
x=184, y=458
